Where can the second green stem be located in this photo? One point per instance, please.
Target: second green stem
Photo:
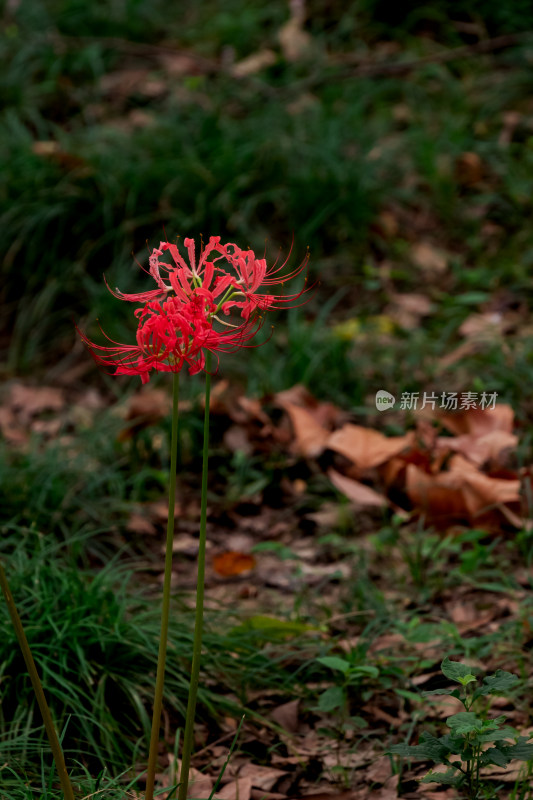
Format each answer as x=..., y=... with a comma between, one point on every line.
x=199, y=616
x=160, y=679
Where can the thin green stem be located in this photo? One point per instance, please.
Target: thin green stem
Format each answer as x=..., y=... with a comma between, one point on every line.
x=478, y=767
x=199, y=615
x=160, y=679
x=38, y=689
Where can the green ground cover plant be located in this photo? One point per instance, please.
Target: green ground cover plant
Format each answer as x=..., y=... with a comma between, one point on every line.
x=477, y=740
x=98, y=675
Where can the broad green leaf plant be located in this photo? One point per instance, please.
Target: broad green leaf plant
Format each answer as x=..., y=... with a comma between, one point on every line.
x=474, y=740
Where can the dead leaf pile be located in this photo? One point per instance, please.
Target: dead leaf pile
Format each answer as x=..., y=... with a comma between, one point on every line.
x=447, y=479
x=453, y=468
x=27, y=409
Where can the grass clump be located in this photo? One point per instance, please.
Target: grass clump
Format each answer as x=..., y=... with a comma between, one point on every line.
x=95, y=645
x=94, y=637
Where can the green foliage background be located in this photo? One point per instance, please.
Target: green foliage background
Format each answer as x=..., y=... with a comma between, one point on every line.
x=106, y=149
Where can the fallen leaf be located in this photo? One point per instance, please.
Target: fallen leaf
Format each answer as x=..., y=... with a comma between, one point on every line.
x=159, y=509
x=387, y=224
x=233, y=563
x=477, y=421
x=137, y=118
x=178, y=64
x=387, y=792
x=137, y=523
x=262, y=777
x=239, y=789
x=186, y=544
x=439, y=496
x=511, y=119
x=254, y=63
x=252, y=408
x=262, y=794
x=367, y=448
x=469, y=169
x=464, y=350
x=331, y=795
x=121, y=84
x=31, y=400
x=53, y=151
x=12, y=433
x=316, y=574
x=483, y=493
x=236, y=440
x=286, y=715
x=407, y=309
x=429, y=258
x=358, y=493
x=295, y=43
x=460, y=493
x=200, y=784
x=302, y=103
x=327, y=515
x=45, y=148
x=380, y=770
x=326, y=414
x=310, y=436
x=153, y=404
x=488, y=326
x=492, y=446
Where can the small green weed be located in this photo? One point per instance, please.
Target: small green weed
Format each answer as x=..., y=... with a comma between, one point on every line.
x=353, y=674
x=470, y=732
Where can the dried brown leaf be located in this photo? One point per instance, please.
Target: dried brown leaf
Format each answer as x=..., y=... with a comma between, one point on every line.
x=236, y=439
x=295, y=43
x=367, y=448
x=360, y=494
x=9, y=428
x=262, y=777
x=460, y=493
x=254, y=63
x=406, y=310
x=31, y=400
x=310, y=435
x=239, y=789
x=153, y=404
x=286, y=716
x=137, y=523
x=488, y=326
x=493, y=446
x=233, y=563
x=428, y=258
x=477, y=421
x=469, y=169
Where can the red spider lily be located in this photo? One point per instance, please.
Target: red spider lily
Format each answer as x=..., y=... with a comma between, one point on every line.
x=170, y=336
x=176, y=324
x=233, y=278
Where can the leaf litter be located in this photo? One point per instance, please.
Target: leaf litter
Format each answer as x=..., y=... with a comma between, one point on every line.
x=455, y=470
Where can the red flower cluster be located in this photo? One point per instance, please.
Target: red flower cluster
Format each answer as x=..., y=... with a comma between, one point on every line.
x=180, y=320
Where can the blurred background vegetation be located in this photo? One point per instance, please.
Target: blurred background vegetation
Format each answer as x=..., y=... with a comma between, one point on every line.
x=393, y=140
